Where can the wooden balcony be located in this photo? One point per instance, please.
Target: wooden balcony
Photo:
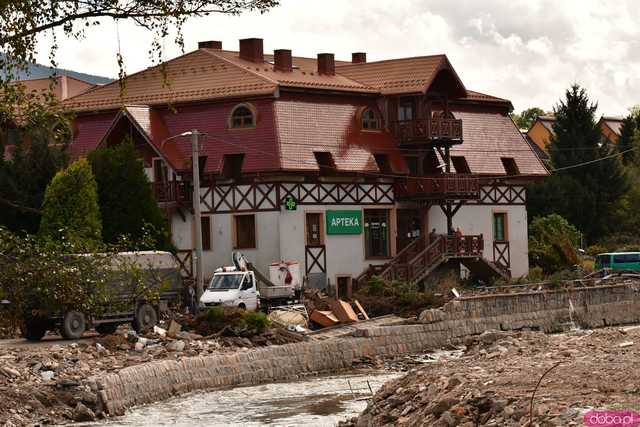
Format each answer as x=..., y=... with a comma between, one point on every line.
x=173, y=192
x=439, y=187
x=432, y=130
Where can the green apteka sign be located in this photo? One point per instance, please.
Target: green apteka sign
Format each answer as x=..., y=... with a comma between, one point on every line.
x=344, y=222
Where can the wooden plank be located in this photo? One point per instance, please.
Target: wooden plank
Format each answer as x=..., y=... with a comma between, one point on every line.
x=359, y=307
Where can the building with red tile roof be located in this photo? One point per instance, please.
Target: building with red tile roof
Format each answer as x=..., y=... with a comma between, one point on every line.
x=402, y=144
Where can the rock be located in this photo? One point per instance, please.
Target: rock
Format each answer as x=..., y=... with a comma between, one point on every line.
x=10, y=372
x=82, y=414
x=176, y=346
x=67, y=383
x=174, y=328
x=442, y=405
x=47, y=375
x=447, y=419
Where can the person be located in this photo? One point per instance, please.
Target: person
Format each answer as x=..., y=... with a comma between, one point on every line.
x=432, y=235
x=458, y=232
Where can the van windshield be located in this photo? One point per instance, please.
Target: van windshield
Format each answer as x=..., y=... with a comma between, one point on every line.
x=226, y=281
x=603, y=260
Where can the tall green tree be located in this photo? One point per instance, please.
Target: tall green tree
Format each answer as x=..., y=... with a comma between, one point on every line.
x=586, y=187
x=525, y=119
x=629, y=126
x=127, y=203
x=70, y=210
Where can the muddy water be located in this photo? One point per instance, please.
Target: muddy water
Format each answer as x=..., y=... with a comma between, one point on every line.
x=317, y=401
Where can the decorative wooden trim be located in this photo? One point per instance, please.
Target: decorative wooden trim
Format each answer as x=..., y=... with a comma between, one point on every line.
x=315, y=259
x=502, y=254
x=185, y=262
x=502, y=194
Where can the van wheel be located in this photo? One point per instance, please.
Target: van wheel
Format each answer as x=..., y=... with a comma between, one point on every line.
x=34, y=329
x=146, y=318
x=73, y=325
x=106, y=328
x=242, y=306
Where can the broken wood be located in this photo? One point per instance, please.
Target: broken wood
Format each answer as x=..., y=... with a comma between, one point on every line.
x=343, y=311
x=361, y=310
x=324, y=318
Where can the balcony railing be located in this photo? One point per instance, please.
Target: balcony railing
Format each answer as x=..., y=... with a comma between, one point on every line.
x=427, y=130
x=454, y=186
x=173, y=192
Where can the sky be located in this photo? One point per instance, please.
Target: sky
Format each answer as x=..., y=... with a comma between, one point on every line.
x=527, y=51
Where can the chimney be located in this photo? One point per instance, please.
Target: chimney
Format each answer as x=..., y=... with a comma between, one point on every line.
x=326, y=64
x=210, y=44
x=282, y=60
x=359, y=57
x=251, y=50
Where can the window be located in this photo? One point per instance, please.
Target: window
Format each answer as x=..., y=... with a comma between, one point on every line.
x=460, y=164
x=510, y=166
x=370, y=119
x=626, y=258
x=405, y=109
x=206, y=233
x=500, y=227
x=376, y=233
x=160, y=171
x=412, y=165
x=245, y=231
x=242, y=117
x=325, y=162
x=382, y=161
x=314, y=229
x=232, y=166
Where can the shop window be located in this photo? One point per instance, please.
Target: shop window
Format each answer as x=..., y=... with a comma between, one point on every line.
x=376, y=233
x=314, y=229
x=245, y=231
x=500, y=233
x=205, y=221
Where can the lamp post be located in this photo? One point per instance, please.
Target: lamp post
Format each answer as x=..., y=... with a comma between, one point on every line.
x=195, y=162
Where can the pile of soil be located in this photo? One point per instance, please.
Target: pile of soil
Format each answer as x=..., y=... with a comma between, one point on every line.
x=493, y=382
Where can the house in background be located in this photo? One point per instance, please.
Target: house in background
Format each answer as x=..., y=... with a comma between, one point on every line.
x=343, y=166
x=610, y=128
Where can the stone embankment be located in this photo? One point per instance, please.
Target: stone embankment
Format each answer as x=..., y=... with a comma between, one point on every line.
x=616, y=303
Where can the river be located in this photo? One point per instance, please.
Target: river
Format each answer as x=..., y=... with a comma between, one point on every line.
x=313, y=401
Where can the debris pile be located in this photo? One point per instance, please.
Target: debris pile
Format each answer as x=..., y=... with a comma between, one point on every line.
x=326, y=311
x=493, y=382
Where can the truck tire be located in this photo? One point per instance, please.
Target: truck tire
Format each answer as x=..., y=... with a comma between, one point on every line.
x=73, y=325
x=34, y=329
x=146, y=318
x=106, y=328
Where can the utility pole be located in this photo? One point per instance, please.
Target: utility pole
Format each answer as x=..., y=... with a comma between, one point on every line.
x=195, y=160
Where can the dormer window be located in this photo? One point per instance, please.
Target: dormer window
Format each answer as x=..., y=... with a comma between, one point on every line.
x=242, y=117
x=370, y=119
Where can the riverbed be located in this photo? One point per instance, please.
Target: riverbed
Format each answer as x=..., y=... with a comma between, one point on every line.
x=314, y=401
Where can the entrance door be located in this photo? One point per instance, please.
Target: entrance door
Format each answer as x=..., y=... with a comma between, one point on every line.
x=408, y=227
x=376, y=233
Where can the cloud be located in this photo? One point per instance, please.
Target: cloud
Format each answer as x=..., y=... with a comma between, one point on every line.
x=527, y=51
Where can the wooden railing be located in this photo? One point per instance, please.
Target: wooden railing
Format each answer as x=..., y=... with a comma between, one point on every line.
x=435, y=128
x=417, y=259
x=173, y=192
x=446, y=186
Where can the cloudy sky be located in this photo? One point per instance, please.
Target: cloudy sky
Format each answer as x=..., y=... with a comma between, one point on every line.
x=527, y=51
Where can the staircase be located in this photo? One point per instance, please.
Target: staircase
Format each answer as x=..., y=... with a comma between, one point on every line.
x=416, y=261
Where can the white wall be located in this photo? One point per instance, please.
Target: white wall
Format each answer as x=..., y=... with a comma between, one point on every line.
x=479, y=220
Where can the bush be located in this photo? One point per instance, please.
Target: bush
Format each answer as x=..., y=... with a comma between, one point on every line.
x=255, y=321
x=381, y=297
x=535, y=274
x=552, y=243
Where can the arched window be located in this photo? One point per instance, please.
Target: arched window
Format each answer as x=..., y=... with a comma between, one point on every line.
x=370, y=119
x=242, y=117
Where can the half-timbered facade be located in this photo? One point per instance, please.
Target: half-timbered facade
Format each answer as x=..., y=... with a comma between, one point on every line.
x=345, y=167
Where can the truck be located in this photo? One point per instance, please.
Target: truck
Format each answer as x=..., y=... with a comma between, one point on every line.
x=245, y=287
x=156, y=268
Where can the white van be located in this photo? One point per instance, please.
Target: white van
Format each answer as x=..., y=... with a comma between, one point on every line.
x=232, y=289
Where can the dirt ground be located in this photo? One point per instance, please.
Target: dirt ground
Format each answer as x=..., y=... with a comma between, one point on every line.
x=493, y=382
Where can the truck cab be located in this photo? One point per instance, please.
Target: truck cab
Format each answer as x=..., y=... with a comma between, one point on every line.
x=232, y=288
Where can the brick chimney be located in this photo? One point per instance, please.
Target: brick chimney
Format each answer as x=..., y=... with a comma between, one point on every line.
x=210, y=44
x=359, y=57
x=282, y=60
x=251, y=50
x=326, y=64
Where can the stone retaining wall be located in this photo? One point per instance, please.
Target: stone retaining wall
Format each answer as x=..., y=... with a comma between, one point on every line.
x=154, y=381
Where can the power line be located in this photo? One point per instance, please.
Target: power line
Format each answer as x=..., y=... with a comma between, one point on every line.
x=610, y=156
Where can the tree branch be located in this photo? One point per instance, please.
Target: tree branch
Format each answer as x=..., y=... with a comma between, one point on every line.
x=26, y=209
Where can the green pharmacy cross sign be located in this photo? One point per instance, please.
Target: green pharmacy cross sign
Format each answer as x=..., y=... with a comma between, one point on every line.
x=290, y=203
x=344, y=222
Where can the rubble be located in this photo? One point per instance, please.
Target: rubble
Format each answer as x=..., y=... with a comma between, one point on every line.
x=492, y=383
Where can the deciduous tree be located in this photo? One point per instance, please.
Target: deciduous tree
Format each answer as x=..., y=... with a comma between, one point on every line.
x=525, y=119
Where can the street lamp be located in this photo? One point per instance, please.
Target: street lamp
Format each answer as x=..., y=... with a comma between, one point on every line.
x=195, y=161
